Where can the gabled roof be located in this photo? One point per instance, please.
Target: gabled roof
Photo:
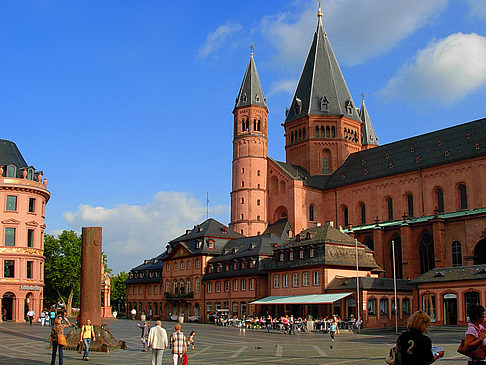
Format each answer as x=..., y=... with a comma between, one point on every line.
x=367, y=132
x=447, y=145
x=367, y=283
x=321, y=89
x=293, y=171
x=279, y=228
x=208, y=228
x=251, y=92
x=458, y=273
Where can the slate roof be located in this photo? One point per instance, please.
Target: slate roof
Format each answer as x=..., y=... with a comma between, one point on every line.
x=251, y=92
x=154, y=264
x=279, y=228
x=332, y=248
x=367, y=283
x=258, y=269
x=293, y=171
x=367, y=131
x=10, y=155
x=447, y=145
x=321, y=82
x=458, y=273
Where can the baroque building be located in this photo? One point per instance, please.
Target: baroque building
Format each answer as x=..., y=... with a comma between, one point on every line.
x=330, y=228
x=23, y=197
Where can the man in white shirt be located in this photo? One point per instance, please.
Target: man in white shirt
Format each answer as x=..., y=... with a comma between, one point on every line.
x=134, y=313
x=31, y=315
x=157, y=341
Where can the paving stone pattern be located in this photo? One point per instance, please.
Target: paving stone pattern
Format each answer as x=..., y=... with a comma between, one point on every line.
x=24, y=344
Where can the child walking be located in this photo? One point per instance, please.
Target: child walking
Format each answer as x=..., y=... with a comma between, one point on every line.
x=332, y=331
x=190, y=341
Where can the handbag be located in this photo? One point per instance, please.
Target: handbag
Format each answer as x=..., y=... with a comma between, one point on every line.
x=477, y=353
x=184, y=358
x=61, y=340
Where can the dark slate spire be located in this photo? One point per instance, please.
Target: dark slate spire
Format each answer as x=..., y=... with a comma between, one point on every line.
x=251, y=92
x=369, y=136
x=321, y=89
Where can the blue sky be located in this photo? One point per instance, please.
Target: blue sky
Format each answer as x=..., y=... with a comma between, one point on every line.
x=127, y=105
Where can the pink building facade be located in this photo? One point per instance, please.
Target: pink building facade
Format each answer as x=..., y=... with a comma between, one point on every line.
x=23, y=199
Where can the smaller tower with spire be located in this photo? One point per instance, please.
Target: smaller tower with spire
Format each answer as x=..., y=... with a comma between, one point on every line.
x=368, y=136
x=250, y=144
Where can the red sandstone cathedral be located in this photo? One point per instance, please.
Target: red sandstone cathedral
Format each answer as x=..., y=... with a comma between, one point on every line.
x=417, y=207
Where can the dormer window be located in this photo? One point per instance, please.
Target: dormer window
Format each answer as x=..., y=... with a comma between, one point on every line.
x=281, y=256
x=349, y=107
x=243, y=264
x=226, y=267
x=151, y=274
x=298, y=106
x=223, y=252
x=297, y=238
x=141, y=275
x=198, y=245
x=11, y=171
x=324, y=104
x=312, y=252
x=301, y=254
x=307, y=236
x=219, y=268
x=30, y=174
x=211, y=268
x=252, y=263
x=169, y=248
x=234, y=250
x=211, y=244
x=291, y=255
x=235, y=265
x=131, y=275
x=251, y=246
x=245, y=98
x=223, y=229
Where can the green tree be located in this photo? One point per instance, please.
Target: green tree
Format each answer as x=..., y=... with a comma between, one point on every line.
x=119, y=291
x=62, y=269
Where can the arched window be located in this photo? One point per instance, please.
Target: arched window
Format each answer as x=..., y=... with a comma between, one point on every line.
x=242, y=216
x=316, y=132
x=176, y=291
x=345, y=216
x=258, y=217
x=300, y=135
x=311, y=212
x=480, y=252
x=333, y=132
x=362, y=209
x=167, y=286
x=242, y=200
x=182, y=287
x=292, y=137
x=259, y=125
x=243, y=125
x=303, y=133
x=440, y=200
x=410, y=205
x=397, y=242
x=323, y=133
x=462, y=196
x=328, y=132
x=389, y=205
x=247, y=125
x=258, y=202
x=325, y=165
x=456, y=253
x=11, y=171
x=426, y=253
x=254, y=125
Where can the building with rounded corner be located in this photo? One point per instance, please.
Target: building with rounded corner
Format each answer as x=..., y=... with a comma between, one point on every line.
x=23, y=198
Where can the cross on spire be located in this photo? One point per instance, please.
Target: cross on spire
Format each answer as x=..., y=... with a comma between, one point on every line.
x=319, y=12
x=252, y=47
x=362, y=95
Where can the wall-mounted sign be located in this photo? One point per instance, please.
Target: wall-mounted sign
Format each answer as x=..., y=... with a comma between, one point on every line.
x=26, y=287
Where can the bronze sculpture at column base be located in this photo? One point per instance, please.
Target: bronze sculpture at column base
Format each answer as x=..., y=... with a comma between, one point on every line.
x=105, y=342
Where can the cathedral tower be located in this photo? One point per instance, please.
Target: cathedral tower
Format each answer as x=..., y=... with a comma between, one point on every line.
x=249, y=177
x=322, y=126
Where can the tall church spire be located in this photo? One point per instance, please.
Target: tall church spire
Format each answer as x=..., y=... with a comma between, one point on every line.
x=251, y=92
x=321, y=89
x=369, y=136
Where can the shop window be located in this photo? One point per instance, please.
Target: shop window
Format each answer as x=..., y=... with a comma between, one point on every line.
x=384, y=307
x=372, y=307
x=428, y=305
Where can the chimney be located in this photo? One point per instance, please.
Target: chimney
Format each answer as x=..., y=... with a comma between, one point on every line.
x=330, y=223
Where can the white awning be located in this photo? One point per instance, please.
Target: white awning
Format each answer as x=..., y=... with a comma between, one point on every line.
x=302, y=299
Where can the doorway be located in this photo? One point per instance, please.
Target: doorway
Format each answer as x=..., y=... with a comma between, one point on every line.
x=450, y=309
x=7, y=306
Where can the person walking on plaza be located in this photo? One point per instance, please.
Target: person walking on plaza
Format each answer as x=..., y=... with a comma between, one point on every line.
x=268, y=322
x=30, y=315
x=415, y=348
x=285, y=322
x=144, y=334
x=52, y=316
x=178, y=345
x=475, y=333
x=133, y=312
x=157, y=341
x=190, y=340
x=87, y=334
x=57, y=334
x=42, y=317
x=292, y=324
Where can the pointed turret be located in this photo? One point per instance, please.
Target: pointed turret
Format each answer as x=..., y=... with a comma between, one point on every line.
x=251, y=92
x=367, y=132
x=321, y=89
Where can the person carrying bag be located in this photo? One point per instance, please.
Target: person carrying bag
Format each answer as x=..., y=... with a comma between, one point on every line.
x=474, y=344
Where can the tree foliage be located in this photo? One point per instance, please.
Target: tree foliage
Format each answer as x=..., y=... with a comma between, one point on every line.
x=62, y=269
x=118, y=291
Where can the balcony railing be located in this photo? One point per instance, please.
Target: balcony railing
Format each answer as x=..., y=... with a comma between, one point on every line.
x=178, y=296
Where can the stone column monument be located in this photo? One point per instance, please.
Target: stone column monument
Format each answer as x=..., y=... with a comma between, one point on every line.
x=90, y=275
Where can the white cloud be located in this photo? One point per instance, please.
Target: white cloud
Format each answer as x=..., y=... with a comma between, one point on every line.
x=369, y=28
x=216, y=39
x=446, y=70
x=132, y=233
x=287, y=86
x=478, y=8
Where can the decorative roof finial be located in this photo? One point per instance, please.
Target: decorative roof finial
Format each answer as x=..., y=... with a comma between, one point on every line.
x=252, y=47
x=319, y=12
x=362, y=96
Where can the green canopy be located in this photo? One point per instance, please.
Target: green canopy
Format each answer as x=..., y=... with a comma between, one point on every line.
x=302, y=299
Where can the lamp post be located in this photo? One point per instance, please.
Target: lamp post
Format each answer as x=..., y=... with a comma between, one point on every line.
x=357, y=279
x=394, y=287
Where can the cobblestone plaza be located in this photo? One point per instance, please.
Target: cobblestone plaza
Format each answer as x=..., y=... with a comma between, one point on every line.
x=24, y=344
